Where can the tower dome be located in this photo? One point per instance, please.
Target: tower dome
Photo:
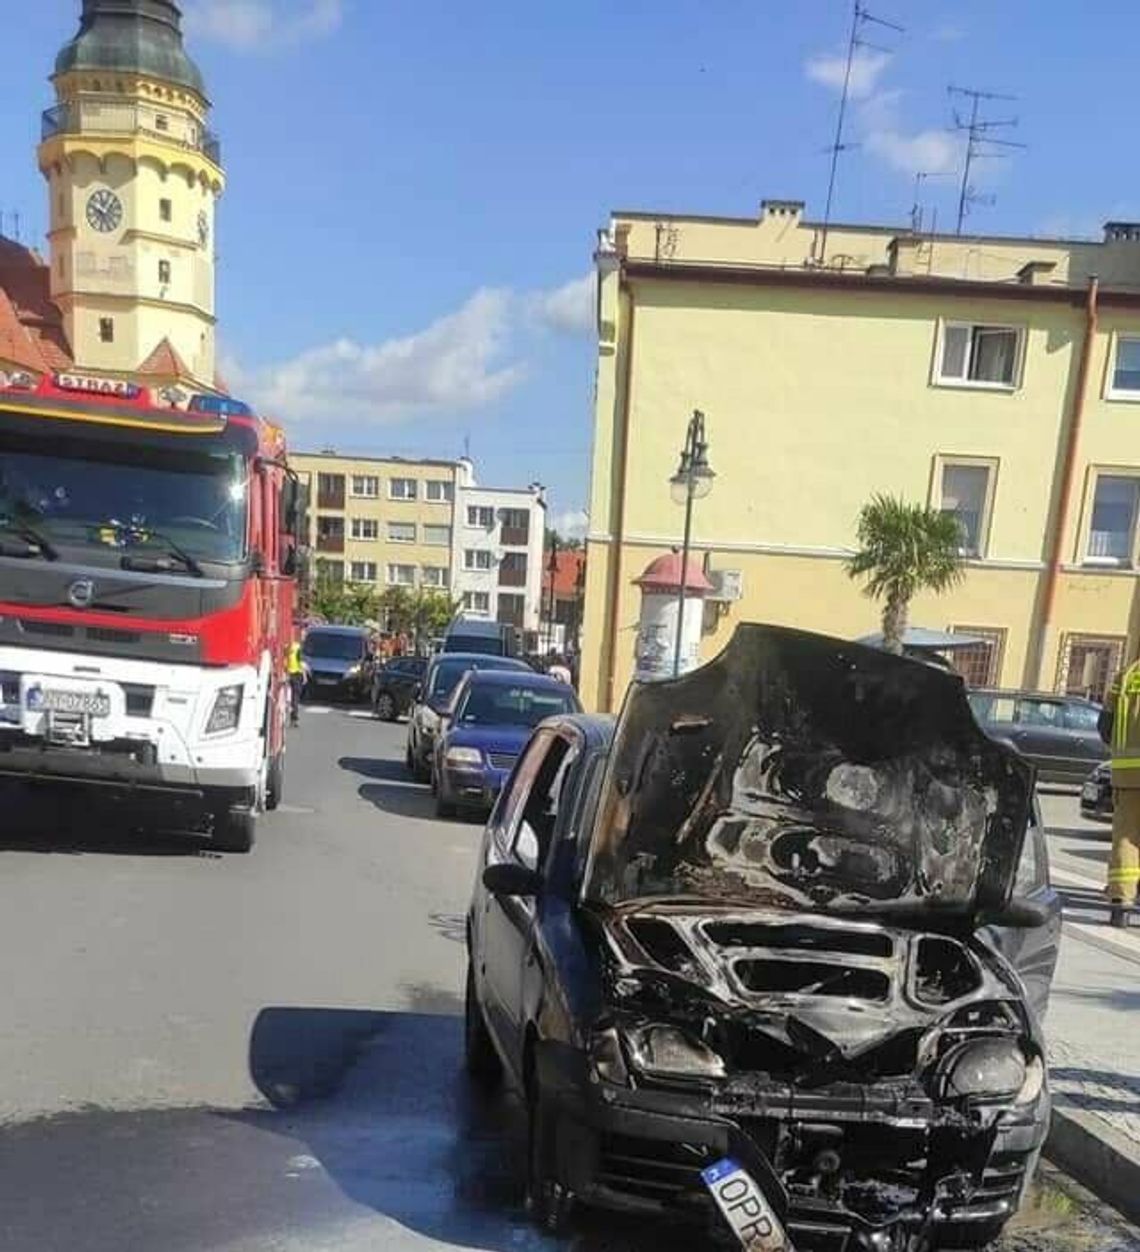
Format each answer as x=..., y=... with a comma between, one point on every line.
x=133, y=36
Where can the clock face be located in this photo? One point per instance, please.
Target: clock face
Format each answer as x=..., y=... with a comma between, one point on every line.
x=203, y=228
x=104, y=210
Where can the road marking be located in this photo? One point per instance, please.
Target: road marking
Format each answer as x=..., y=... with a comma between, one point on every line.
x=363, y=714
x=316, y=708
x=295, y=808
x=1069, y=879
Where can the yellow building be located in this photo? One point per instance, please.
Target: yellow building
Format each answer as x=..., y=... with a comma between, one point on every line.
x=994, y=377
x=380, y=520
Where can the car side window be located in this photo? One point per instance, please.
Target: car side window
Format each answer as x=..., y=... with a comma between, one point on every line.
x=1081, y=717
x=1041, y=713
x=1031, y=869
x=514, y=797
x=528, y=824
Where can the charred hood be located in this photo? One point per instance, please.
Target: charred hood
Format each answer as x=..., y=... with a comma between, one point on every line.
x=796, y=772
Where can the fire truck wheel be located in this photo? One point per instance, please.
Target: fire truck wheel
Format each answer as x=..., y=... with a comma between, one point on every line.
x=275, y=782
x=234, y=829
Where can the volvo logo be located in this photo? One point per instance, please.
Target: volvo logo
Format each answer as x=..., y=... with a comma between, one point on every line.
x=81, y=593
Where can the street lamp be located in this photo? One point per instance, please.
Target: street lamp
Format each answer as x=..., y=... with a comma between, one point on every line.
x=692, y=481
x=552, y=570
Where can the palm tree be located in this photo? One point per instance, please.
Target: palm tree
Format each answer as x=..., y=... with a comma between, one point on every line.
x=903, y=549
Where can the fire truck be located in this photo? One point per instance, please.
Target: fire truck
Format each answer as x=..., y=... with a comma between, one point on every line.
x=149, y=547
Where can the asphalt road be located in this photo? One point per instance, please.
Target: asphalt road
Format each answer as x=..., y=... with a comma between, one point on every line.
x=261, y=1054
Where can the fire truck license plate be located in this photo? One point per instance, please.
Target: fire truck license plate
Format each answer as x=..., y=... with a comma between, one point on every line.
x=92, y=703
x=745, y=1207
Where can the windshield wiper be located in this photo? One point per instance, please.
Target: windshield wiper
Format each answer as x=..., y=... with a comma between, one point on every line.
x=30, y=535
x=173, y=550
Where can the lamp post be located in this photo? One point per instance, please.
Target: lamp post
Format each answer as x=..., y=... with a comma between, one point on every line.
x=692, y=481
x=552, y=570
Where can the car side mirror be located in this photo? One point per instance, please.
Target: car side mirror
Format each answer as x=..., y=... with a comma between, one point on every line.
x=508, y=878
x=417, y=691
x=289, y=562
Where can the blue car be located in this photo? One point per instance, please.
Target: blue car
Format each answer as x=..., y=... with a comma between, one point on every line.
x=487, y=725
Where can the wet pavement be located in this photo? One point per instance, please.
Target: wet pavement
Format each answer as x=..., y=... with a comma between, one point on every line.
x=262, y=1054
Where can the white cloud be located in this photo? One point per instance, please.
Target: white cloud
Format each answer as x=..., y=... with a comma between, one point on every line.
x=924, y=151
x=866, y=66
x=569, y=308
x=570, y=524
x=455, y=364
x=261, y=25
x=948, y=33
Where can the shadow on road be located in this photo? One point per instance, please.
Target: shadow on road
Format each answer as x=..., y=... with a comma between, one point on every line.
x=381, y=769
x=1101, y=834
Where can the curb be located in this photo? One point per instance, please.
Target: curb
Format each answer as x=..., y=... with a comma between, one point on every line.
x=1098, y=1157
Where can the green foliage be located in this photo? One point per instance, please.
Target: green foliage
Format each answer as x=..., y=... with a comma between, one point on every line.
x=903, y=549
x=422, y=613
x=346, y=604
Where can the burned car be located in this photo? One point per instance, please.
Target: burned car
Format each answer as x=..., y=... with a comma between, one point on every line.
x=771, y=951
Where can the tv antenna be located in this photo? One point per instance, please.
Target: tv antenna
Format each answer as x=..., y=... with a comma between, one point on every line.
x=916, y=211
x=861, y=17
x=981, y=143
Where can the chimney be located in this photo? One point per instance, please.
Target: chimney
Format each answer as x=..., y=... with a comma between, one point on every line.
x=787, y=212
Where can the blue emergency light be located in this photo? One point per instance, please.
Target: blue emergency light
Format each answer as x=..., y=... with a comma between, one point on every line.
x=220, y=406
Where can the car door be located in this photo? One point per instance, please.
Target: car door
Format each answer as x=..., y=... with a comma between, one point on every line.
x=1081, y=726
x=1039, y=733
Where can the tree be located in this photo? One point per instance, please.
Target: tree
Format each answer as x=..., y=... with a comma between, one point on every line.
x=903, y=549
x=422, y=613
x=566, y=543
x=346, y=604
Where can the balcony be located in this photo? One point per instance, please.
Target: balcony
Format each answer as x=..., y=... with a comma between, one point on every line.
x=511, y=575
x=330, y=492
x=96, y=117
x=515, y=536
x=330, y=538
x=510, y=611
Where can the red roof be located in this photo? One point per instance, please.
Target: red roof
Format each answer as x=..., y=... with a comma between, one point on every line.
x=567, y=565
x=27, y=305
x=165, y=362
x=664, y=574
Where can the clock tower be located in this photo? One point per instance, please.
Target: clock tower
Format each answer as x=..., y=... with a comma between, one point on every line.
x=133, y=176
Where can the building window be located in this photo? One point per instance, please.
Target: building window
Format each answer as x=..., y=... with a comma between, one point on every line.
x=965, y=491
x=439, y=490
x=1088, y=663
x=512, y=569
x=479, y=516
x=402, y=575
x=476, y=558
x=437, y=536
x=365, y=528
x=511, y=610
x=363, y=571
x=165, y=210
x=980, y=663
x=981, y=356
x=402, y=489
x=107, y=330
x=435, y=576
x=161, y=121
x=330, y=491
x=477, y=601
x=1126, y=369
x=164, y=272
x=365, y=486
x=401, y=532
x=1112, y=528
x=330, y=573
x=330, y=534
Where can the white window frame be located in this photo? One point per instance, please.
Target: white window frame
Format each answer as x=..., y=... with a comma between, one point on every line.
x=481, y=510
x=1095, y=474
x=365, y=577
x=394, y=526
x=364, y=494
x=442, y=584
x=446, y=490
x=359, y=524
x=1111, y=391
x=990, y=464
x=400, y=582
x=938, y=379
x=472, y=557
x=403, y=483
x=436, y=543
x=469, y=598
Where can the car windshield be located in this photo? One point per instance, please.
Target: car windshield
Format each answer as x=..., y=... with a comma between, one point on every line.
x=333, y=646
x=485, y=645
x=81, y=494
x=446, y=675
x=493, y=704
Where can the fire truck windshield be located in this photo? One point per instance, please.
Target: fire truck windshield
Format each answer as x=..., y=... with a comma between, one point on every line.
x=110, y=497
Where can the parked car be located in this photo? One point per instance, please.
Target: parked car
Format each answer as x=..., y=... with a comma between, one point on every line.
x=486, y=726
x=394, y=685
x=754, y=945
x=1096, y=794
x=478, y=634
x=1056, y=733
x=340, y=661
x=432, y=698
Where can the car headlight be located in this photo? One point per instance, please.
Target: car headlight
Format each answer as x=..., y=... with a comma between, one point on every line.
x=353, y=671
x=666, y=1052
x=463, y=756
x=226, y=711
x=429, y=720
x=607, y=1062
x=1034, y=1082
x=986, y=1068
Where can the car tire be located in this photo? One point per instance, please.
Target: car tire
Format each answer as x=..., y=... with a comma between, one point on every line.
x=385, y=707
x=484, y=1067
x=550, y=1204
x=275, y=782
x=235, y=829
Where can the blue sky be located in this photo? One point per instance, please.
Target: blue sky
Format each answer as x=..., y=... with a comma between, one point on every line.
x=414, y=187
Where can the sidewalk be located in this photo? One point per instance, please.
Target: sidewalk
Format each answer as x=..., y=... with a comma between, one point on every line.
x=1091, y=1028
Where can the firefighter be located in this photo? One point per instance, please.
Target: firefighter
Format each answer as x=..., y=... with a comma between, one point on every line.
x=295, y=670
x=1119, y=727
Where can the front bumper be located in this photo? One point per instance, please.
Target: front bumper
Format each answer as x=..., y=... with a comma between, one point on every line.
x=641, y=1151
x=473, y=787
x=1097, y=806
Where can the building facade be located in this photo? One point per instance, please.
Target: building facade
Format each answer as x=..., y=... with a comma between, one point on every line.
x=385, y=521
x=995, y=378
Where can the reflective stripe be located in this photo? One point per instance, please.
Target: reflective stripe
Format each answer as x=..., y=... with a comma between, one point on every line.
x=1124, y=875
x=1126, y=762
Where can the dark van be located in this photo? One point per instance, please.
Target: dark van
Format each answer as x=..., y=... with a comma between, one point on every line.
x=474, y=634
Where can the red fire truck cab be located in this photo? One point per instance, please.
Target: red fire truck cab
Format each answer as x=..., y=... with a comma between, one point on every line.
x=148, y=552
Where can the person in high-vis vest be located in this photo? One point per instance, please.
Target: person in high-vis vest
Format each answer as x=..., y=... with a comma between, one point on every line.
x=295, y=671
x=1120, y=728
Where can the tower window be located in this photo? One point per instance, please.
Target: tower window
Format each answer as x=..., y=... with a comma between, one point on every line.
x=161, y=121
x=164, y=271
x=107, y=329
x=164, y=210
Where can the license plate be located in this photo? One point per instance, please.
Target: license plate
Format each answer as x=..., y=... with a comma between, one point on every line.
x=53, y=700
x=745, y=1207
x=1090, y=792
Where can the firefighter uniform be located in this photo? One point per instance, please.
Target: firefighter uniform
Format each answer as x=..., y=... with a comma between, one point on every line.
x=1122, y=704
x=295, y=670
